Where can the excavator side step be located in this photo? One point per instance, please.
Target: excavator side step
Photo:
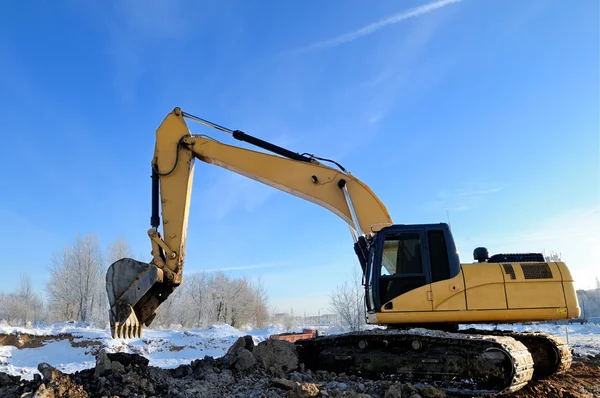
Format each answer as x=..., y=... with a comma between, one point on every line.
x=461, y=363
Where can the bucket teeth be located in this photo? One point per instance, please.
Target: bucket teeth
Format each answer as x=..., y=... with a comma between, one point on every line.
x=129, y=329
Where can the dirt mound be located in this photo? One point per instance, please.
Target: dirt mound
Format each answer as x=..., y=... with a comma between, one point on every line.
x=24, y=340
x=268, y=370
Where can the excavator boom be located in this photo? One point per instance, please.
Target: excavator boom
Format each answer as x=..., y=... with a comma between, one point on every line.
x=136, y=289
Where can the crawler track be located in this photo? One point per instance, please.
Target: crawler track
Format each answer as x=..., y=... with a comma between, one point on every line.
x=462, y=363
x=551, y=355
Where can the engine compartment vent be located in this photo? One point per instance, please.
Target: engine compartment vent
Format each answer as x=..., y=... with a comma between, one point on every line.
x=536, y=271
x=508, y=270
x=517, y=258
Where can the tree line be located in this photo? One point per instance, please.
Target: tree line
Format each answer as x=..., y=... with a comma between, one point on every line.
x=76, y=292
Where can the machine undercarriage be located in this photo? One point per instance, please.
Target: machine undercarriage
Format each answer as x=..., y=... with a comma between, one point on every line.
x=465, y=362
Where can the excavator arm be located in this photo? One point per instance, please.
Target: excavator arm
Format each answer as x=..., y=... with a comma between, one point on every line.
x=136, y=289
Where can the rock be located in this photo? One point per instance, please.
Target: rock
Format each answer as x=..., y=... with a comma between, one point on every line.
x=244, y=359
x=395, y=391
x=249, y=343
x=226, y=377
x=295, y=376
x=415, y=395
x=210, y=377
x=431, y=392
x=242, y=342
x=331, y=385
x=239, y=343
x=143, y=383
x=285, y=383
x=49, y=372
x=103, y=364
x=129, y=359
x=43, y=392
x=57, y=384
x=227, y=360
x=117, y=367
x=7, y=380
x=409, y=389
x=182, y=371
x=203, y=367
x=279, y=354
x=303, y=390
x=342, y=386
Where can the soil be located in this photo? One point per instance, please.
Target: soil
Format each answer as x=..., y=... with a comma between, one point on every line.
x=269, y=370
x=581, y=380
x=22, y=340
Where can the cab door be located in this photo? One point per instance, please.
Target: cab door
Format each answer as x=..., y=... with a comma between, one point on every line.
x=401, y=272
x=447, y=282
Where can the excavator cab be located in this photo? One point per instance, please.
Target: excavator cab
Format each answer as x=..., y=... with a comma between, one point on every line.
x=413, y=276
x=406, y=257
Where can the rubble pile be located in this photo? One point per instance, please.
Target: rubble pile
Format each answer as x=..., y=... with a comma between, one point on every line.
x=270, y=369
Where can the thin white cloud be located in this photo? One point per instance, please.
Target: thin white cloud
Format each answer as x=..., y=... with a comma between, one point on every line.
x=244, y=267
x=462, y=199
x=374, y=27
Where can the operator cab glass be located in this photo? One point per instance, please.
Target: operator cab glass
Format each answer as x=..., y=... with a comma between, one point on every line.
x=406, y=257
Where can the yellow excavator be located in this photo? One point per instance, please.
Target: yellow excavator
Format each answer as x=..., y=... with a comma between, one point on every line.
x=415, y=284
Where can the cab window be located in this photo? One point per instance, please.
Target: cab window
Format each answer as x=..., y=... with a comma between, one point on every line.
x=402, y=254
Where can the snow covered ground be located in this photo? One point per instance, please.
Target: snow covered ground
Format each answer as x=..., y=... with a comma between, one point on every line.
x=71, y=348
x=163, y=348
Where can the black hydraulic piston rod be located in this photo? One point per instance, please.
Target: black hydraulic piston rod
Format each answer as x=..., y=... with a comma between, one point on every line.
x=155, y=219
x=240, y=135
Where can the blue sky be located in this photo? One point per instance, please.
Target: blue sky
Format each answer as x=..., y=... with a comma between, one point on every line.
x=486, y=112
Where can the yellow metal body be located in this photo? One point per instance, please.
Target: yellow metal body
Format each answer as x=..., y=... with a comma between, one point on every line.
x=479, y=293
x=486, y=293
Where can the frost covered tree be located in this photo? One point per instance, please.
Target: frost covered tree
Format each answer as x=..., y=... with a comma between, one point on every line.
x=205, y=299
x=347, y=300
x=23, y=307
x=260, y=309
x=77, y=292
x=76, y=286
x=117, y=250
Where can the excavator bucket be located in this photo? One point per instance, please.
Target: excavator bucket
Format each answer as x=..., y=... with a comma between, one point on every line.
x=135, y=290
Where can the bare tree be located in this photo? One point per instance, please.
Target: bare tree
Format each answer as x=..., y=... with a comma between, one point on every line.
x=24, y=307
x=210, y=298
x=63, y=301
x=260, y=300
x=117, y=250
x=347, y=300
x=197, y=286
x=76, y=286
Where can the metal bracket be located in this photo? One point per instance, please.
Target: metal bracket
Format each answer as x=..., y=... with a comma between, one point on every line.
x=155, y=237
